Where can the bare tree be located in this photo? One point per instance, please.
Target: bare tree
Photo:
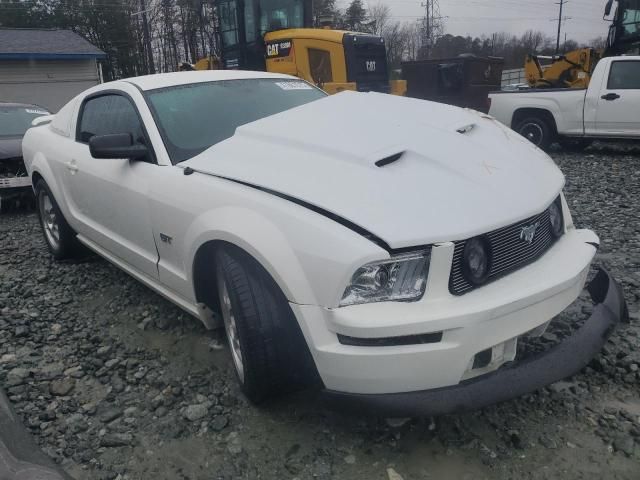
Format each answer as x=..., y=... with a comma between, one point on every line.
x=379, y=18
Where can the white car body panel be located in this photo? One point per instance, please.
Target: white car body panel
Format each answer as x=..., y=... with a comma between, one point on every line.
x=579, y=112
x=268, y=189
x=499, y=177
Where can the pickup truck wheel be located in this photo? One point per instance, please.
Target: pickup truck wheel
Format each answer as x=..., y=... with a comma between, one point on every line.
x=574, y=144
x=59, y=236
x=269, y=352
x=537, y=130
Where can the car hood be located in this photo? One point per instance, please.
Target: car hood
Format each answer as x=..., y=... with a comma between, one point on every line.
x=10, y=147
x=461, y=173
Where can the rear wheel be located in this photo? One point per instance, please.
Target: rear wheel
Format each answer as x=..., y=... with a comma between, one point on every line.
x=59, y=236
x=269, y=352
x=537, y=130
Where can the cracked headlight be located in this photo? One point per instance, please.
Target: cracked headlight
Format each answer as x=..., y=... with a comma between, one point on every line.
x=399, y=278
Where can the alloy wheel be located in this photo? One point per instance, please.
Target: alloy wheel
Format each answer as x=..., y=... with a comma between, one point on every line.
x=231, y=328
x=50, y=221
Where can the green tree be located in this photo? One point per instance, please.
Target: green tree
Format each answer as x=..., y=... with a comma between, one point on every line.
x=355, y=16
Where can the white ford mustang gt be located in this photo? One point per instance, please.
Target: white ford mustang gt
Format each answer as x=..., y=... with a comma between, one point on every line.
x=388, y=249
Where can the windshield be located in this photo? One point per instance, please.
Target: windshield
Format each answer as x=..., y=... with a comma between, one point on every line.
x=631, y=17
x=191, y=118
x=278, y=14
x=15, y=120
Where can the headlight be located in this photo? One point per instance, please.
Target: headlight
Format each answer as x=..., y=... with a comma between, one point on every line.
x=400, y=278
x=476, y=260
x=555, y=218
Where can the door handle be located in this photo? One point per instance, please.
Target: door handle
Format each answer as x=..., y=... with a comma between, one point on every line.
x=72, y=167
x=610, y=96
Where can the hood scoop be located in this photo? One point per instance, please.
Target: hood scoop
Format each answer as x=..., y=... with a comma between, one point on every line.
x=389, y=160
x=466, y=128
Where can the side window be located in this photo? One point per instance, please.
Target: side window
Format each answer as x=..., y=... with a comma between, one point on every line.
x=320, y=66
x=624, y=76
x=228, y=22
x=108, y=114
x=250, y=31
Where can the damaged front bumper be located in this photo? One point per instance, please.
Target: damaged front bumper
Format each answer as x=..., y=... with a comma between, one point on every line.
x=512, y=380
x=14, y=180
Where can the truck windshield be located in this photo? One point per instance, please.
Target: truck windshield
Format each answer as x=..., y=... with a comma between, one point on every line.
x=16, y=120
x=193, y=117
x=278, y=14
x=630, y=17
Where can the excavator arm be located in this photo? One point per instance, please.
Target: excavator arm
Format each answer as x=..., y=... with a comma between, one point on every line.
x=571, y=70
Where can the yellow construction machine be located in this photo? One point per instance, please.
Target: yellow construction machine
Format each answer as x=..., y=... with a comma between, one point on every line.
x=574, y=69
x=571, y=70
x=276, y=36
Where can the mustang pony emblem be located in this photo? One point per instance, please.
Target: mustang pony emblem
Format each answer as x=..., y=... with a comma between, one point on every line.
x=527, y=233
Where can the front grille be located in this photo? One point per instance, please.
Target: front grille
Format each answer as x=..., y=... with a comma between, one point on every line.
x=508, y=252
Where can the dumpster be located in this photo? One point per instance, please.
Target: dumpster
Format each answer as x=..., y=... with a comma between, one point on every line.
x=463, y=81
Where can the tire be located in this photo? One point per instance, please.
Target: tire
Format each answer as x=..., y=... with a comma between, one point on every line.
x=537, y=130
x=58, y=235
x=269, y=352
x=574, y=144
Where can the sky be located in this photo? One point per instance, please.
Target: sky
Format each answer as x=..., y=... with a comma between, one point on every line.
x=475, y=17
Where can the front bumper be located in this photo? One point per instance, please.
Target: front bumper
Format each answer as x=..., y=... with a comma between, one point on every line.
x=15, y=182
x=488, y=317
x=11, y=187
x=518, y=378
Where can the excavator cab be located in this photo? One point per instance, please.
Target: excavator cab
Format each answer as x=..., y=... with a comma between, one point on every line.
x=278, y=36
x=624, y=32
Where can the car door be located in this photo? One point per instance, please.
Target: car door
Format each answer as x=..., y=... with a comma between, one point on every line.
x=619, y=101
x=110, y=196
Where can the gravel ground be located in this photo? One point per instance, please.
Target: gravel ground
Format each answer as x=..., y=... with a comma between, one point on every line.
x=115, y=382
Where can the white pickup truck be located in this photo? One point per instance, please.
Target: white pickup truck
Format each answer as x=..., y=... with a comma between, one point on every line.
x=609, y=108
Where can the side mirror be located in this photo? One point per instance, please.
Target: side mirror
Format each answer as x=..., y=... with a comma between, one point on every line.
x=117, y=145
x=607, y=8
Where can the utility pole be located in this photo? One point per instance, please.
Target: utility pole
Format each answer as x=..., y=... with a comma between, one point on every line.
x=562, y=2
x=147, y=37
x=431, y=26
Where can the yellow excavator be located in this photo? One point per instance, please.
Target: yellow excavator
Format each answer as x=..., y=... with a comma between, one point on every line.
x=276, y=36
x=574, y=69
x=571, y=70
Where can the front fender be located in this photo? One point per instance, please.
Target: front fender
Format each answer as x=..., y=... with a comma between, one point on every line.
x=309, y=256
x=259, y=237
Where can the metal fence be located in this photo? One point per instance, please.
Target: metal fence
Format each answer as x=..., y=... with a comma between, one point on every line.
x=514, y=75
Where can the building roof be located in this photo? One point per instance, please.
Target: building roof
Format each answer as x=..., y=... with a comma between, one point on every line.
x=21, y=43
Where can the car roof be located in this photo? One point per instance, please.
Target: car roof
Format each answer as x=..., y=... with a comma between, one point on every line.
x=163, y=80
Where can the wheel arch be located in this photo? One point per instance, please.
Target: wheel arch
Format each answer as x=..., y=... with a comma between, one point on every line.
x=525, y=112
x=261, y=240
x=203, y=271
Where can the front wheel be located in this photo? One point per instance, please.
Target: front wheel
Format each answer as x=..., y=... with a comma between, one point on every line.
x=269, y=352
x=537, y=130
x=59, y=236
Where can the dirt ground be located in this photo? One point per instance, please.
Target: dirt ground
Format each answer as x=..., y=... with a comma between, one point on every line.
x=115, y=382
